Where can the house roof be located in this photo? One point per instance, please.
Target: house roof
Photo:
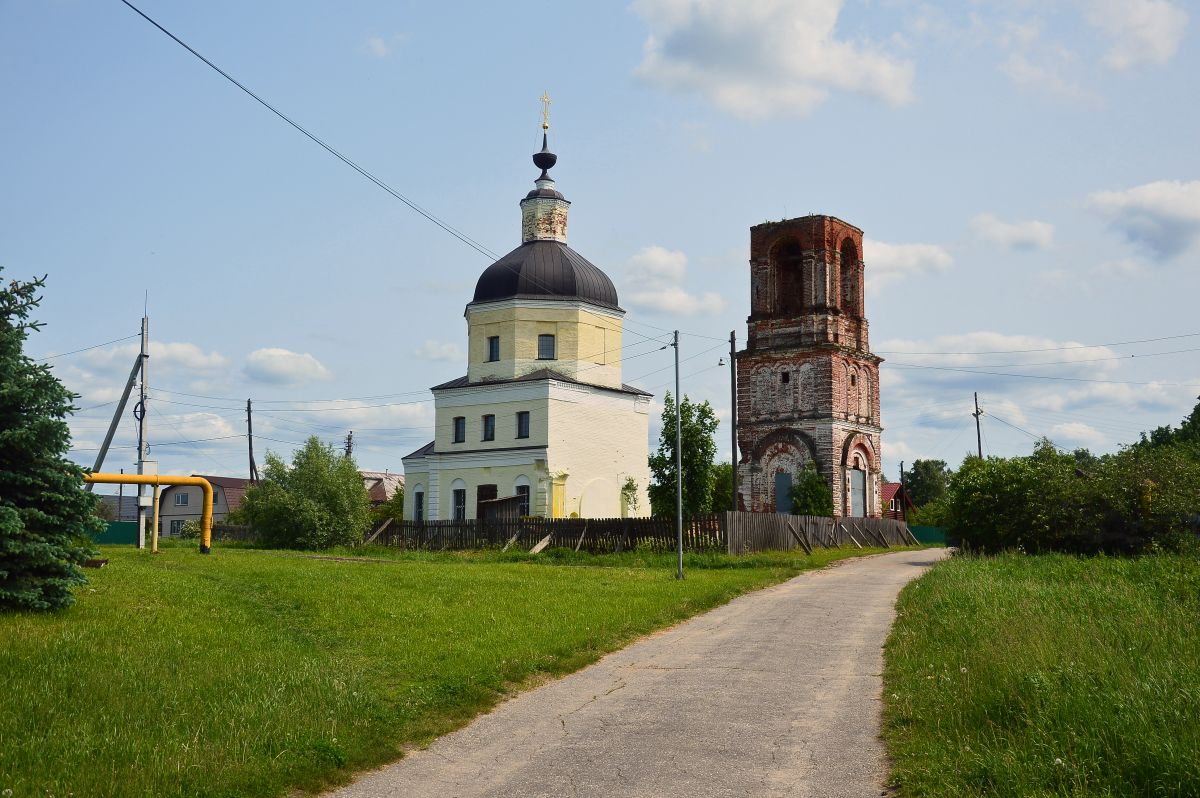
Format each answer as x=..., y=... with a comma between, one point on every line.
x=540, y=374
x=234, y=487
x=124, y=507
x=889, y=491
x=424, y=450
x=381, y=485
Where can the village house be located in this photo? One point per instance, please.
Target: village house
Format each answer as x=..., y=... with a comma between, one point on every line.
x=541, y=413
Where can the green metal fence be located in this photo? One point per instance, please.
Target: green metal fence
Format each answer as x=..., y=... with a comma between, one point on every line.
x=929, y=534
x=118, y=533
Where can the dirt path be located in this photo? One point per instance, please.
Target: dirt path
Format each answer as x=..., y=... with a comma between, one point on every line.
x=775, y=693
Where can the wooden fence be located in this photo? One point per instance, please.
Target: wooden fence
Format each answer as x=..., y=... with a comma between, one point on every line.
x=593, y=535
x=751, y=532
x=735, y=533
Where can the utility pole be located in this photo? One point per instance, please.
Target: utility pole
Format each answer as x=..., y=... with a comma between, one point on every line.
x=250, y=443
x=349, y=443
x=116, y=420
x=143, y=431
x=978, y=434
x=678, y=462
x=733, y=451
x=901, y=472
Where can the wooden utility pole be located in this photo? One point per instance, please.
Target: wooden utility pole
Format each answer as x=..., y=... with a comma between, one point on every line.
x=733, y=451
x=978, y=434
x=250, y=443
x=143, y=431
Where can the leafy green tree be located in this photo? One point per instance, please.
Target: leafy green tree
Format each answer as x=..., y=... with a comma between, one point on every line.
x=393, y=508
x=722, y=488
x=927, y=481
x=698, y=424
x=46, y=517
x=811, y=494
x=317, y=503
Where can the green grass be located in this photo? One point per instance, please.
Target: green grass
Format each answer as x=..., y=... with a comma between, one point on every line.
x=250, y=673
x=1047, y=676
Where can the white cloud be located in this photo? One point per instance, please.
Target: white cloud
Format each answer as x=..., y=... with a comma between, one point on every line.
x=1023, y=70
x=991, y=350
x=382, y=47
x=761, y=58
x=1141, y=31
x=164, y=355
x=1028, y=234
x=654, y=280
x=1076, y=433
x=284, y=367
x=438, y=350
x=1163, y=216
x=890, y=263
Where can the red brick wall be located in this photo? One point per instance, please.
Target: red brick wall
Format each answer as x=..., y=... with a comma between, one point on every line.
x=804, y=325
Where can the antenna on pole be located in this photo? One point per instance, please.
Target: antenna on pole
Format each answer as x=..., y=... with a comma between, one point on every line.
x=349, y=443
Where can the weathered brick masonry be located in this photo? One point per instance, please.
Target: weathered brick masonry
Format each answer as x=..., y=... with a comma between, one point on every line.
x=808, y=384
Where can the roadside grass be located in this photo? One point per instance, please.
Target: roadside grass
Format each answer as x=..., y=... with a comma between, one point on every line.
x=252, y=673
x=1047, y=675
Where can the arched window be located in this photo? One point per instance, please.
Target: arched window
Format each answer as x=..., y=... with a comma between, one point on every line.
x=419, y=502
x=458, y=495
x=851, y=280
x=787, y=263
x=521, y=488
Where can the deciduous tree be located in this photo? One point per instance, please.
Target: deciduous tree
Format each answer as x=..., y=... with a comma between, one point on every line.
x=698, y=424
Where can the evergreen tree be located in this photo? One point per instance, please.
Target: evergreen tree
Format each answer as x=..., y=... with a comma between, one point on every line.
x=811, y=494
x=698, y=423
x=46, y=517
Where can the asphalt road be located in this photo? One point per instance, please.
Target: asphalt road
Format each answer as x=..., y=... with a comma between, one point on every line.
x=776, y=693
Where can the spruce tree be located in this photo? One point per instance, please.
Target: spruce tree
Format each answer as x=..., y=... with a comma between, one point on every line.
x=45, y=515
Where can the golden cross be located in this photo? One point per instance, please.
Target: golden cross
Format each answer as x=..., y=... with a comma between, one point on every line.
x=545, y=110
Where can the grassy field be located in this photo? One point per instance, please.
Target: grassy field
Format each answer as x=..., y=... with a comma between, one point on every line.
x=251, y=673
x=1048, y=675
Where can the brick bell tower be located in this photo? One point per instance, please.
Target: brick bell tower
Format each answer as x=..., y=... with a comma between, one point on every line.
x=808, y=384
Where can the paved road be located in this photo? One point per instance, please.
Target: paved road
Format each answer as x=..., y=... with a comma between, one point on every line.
x=776, y=693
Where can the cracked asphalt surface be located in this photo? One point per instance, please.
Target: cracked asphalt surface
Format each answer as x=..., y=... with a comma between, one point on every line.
x=776, y=693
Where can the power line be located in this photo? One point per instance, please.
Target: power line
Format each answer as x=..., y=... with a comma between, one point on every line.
x=1046, y=349
x=87, y=348
x=1046, y=376
x=1069, y=362
x=463, y=237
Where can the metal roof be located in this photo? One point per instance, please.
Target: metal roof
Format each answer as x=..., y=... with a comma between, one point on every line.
x=545, y=270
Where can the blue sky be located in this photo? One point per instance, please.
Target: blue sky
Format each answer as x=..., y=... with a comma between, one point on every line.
x=1026, y=175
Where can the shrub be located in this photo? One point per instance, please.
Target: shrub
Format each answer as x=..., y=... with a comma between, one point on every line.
x=811, y=494
x=317, y=503
x=1046, y=502
x=189, y=530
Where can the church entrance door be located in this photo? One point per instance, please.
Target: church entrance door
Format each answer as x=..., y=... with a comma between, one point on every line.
x=783, y=492
x=858, y=492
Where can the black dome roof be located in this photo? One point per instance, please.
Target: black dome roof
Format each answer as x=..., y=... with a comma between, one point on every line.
x=545, y=270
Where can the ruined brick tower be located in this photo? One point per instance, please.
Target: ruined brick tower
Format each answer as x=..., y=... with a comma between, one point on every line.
x=808, y=384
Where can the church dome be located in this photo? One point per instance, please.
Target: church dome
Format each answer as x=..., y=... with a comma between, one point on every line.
x=542, y=269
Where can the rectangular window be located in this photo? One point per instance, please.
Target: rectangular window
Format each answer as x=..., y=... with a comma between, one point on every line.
x=523, y=492
x=460, y=429
x=523, y=424
x=545, y=347
x=460, y=504
x=493, y=348
x=785, y=377
x=176, y=526
x=181, y=499
x=419, y=506
x=489, y=427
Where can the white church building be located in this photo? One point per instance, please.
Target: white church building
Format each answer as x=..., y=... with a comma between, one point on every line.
x=541, y=412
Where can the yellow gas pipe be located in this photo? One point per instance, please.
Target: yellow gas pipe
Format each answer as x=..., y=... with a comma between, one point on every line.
x=164, y=479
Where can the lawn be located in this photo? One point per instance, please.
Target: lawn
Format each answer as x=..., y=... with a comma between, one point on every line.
x=252, y=673
x=1047, y=676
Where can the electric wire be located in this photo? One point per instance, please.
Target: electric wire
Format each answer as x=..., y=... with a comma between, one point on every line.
x=463, y=237
x=1045, y=349
x=87, y=348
